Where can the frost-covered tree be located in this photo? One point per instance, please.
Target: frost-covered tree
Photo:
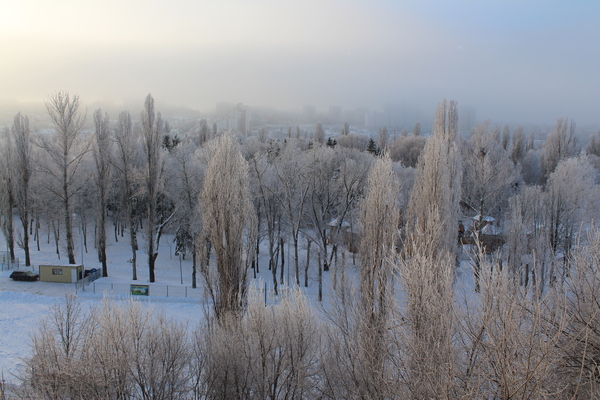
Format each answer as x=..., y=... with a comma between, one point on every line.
x=561, y=143
x=427, y=268
x=383, y=138
x=426, y=339
x=527, y=249
x=518, y=146
x=581, y=342
x=184, y=187
x=432, y=215
x=319, y=133
x=573, y=194
x=506, y=140
x=102, y=153
x=512, y=340
x=417, y=129
x=379, y=212
x=531, y=167
x=324, y=195
x=204, y=133
x=65, y=149
x=489, y=175
x=227, y=220
x=291, y=171
x=153, y=128
x=7, y=195
x=268, y=194
x=21, y=137
x=345, y=129
x=407, y=149
x=127, y=165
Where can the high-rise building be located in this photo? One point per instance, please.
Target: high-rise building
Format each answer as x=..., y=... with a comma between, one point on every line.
x=233, y=117
x=335, y=114
x=244, y=119
x=309, y=114
x=466, y=120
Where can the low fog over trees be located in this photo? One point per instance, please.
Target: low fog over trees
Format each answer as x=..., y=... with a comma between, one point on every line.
x=455, y=265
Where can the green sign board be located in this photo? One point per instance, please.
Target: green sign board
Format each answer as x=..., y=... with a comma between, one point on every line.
x=140, y=290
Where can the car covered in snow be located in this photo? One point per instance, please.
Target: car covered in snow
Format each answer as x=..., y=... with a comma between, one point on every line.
x=24, y=276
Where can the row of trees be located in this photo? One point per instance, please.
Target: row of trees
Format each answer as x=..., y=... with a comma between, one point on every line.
x=506, y=343
x=406, y=327
x=296, y=186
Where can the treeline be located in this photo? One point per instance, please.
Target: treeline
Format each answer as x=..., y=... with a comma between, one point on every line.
x=436, y=340
x=145, y=180
x=399, y=324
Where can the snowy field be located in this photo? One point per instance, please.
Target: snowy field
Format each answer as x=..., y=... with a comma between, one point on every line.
x=23, y=304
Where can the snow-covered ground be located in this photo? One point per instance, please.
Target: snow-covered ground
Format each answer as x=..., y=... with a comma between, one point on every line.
x=23, y=304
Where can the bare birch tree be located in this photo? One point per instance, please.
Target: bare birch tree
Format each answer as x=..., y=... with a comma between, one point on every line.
x=7, y=196
x=513, y=339
x=488, y=175
x=66, y=150
x=185, y=188
x=128, y=169
x=561, y=143
x=23, y=166
x=572, y=198
x=291, y=173
x=324, y=195
x=581, y=342
x=152, y=131
x=102, y=153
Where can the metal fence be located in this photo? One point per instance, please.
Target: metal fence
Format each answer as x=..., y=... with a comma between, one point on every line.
x=7, y=263
x=82, y=283
x=124, y=289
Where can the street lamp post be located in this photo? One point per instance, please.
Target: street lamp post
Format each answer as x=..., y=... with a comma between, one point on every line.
x=81, y=239
x=78, y=217
x=180, y=268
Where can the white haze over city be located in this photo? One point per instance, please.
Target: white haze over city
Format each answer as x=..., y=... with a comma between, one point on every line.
x=515, y=62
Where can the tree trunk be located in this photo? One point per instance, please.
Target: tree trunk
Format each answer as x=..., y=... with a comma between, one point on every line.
x=282, y=261
x=194, y=255
x=68, y=223
x=320, y=296
x=307, y=263
x=26, y=244
x=325, y=265
x=134, y=247
x=296, y=261
x=102, y=242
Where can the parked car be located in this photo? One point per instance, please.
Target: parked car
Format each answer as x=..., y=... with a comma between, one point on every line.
x=24, y=276
x=89, y=272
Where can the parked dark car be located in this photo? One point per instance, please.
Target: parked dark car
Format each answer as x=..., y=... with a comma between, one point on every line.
x=24, y=276
x=89, y=272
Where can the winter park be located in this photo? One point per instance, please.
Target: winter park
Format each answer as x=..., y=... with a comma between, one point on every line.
x=309, y=200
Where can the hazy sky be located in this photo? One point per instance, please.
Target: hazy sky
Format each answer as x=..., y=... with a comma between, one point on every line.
x=524, y=60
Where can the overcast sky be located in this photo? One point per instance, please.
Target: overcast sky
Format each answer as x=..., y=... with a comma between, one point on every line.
x=523, y=61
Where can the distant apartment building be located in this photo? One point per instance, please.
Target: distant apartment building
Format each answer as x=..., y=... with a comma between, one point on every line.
x=335, y=114
x=309, y=114
x=466, y=120
x=233, y=118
